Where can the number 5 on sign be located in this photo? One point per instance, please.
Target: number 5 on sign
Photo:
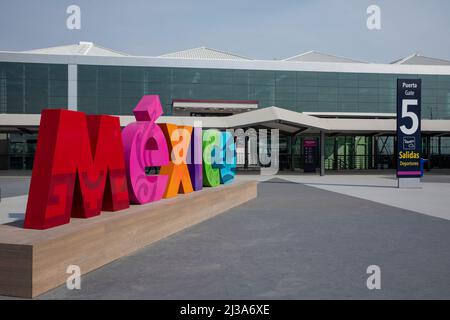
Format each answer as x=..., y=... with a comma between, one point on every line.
x=409, y=145
x=411, y=115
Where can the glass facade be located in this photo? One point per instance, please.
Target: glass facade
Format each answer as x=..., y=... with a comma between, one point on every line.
x=116, y=90
x=350, y=152
x=21, y=150
x=31, y=87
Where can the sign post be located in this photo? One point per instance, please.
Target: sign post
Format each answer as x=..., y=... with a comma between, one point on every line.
x=309, y=155
x=409, y=139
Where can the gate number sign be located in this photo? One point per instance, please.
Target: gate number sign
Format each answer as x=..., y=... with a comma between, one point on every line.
x=409, y=141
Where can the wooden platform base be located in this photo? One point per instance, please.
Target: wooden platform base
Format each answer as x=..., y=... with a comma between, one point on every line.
x=33, y=261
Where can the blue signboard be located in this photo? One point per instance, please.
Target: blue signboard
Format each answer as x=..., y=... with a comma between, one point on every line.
x=409, y=140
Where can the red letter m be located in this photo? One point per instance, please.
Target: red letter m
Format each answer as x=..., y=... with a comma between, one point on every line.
x=78, y=170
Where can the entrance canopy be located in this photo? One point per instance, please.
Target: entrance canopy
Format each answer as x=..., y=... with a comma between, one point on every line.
x=288, y=122
x=184, y=107
x=291, y=122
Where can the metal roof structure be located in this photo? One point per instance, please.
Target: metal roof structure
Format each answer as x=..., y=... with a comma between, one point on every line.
x=204, y=53
x=417, y=59
x=89, y=49
x=273, y=65
x=313, y=56
x=82, y=48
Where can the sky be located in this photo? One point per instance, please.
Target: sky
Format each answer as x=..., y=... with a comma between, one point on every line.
x=257, y=29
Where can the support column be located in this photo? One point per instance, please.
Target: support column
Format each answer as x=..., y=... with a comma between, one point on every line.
x=4, y=152
x=72, y=87
x=335, y=154
x=246, y=157
x=439, y=146
x=372, y=152
x=322, y=153
x=289, y=151
x=292, y=152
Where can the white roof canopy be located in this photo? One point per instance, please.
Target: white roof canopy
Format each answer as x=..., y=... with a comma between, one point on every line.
x=287, y=121
x=82, y=48
x=204, y=53
x=417, y=59
x=314, y=56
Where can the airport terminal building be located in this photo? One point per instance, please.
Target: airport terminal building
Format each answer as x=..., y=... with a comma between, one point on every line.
x=344, y=107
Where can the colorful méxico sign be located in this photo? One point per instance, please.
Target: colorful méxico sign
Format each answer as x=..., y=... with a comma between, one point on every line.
x=85, y=164
x=409, y=140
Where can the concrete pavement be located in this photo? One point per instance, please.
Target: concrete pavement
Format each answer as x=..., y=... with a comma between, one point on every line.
x=432, y=199
x=292, y=242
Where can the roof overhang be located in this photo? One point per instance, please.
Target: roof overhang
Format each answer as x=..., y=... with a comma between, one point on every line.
x=275, y=65
x=350, y=115
x=286, y=121
x=215, y=104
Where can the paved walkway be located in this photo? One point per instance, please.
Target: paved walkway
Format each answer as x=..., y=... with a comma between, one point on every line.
x=304, y=237
x=292, y=242
x=432, y=199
